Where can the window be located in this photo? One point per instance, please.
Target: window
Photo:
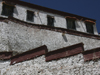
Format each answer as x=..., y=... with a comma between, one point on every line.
x=89, y=28
x=50, y=21
x=7, y=10
x=30, y=16
x=71, y=24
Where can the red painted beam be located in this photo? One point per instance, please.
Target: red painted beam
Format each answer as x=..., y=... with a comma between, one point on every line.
x=91, y=54
x=5, y=55
x=29, y=55
x=65, y=52
x=88, y=56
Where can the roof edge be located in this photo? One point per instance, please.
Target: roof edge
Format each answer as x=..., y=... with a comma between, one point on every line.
x=48, y=9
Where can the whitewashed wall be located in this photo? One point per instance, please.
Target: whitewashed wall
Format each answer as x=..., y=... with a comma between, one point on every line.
x=0, y=7
x=21, y=38
x=41, y=18
x=80, y=26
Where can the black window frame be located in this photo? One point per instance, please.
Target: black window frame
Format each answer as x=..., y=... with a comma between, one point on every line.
x=89, y=28
x=50, y=20
x=7, y=10
x=30, y=16
x=71, y=25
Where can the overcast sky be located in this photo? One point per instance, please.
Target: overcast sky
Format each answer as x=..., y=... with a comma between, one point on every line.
x=85, y=8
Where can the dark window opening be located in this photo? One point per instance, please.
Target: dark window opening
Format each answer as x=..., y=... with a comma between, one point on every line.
x=7, y=10
x=71, y=24
x=50, y=21
x=89, y=28
x=30, y=16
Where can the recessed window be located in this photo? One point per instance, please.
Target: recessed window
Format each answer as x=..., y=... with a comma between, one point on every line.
x=7, y=10
x=50, y=21
x=71, y=24
x=30, y=16
x=89, y=28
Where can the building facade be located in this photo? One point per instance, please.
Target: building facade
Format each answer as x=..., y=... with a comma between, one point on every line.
x=60, y=43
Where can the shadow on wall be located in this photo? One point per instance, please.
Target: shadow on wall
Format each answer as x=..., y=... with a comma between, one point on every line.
x=64, y=37
x=15, y=11
x=77, y=25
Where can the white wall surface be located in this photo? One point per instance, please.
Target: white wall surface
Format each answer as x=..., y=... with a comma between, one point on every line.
x=41, y=18
x=0, y=7
x=21, y=38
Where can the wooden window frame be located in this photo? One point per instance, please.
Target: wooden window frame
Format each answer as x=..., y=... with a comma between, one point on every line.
x=73, y=23
x=6, y=9
x=50, y=18
x=90, y=25
x=31, y=19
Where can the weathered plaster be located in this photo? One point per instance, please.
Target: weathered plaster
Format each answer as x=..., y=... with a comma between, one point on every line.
x=40, y=17
x=95, y=30
x=0, y=7
x=80, y=26
x=17, y=37
x=20, y=38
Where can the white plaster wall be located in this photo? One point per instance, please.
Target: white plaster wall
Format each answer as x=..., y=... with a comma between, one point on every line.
x=4, y=64
x=95, y=30
x=60, y=22
x=41, y=18
x=3, y=37
x=20, y=12
x=0, y=7
x=21, y=38
x=73, y=65
x=80, y=26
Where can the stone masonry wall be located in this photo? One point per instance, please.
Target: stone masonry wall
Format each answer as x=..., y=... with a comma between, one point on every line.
x=73, y=65
x=20, y=38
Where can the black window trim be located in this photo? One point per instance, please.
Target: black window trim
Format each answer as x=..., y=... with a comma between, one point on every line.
x=32, y=18
x=52, y=17
x=3, y=12
x=91, y=24
x=73, y=22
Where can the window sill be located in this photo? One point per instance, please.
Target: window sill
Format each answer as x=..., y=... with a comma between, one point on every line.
x=30, y=22
x=3, y=16
x=72, y=29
